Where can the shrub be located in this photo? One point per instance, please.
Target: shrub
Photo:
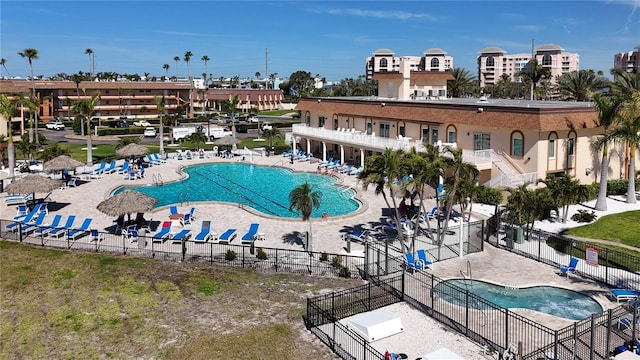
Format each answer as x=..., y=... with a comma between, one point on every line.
x=344, y=272
x=261, y=255
x=324, y=257
x=337, y=262
x=617, y=187
x=584, y=216
x=489, y=196
x=230, y=255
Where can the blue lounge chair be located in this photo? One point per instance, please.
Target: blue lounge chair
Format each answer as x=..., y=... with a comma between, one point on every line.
x=96, y=236
x=131, y=233
x=205, y=232
x=124, y=168
x=182, y=235
x=110, y=168
x=43, y=230
x=162, y=235
x=28, y=228
x=422, y=257
x=26, y=219
x=571, y=268
x=173, y=210
x=251, y=234
x=625, y=294
x=227, y=236
x=21, y=210
x=159, y=159
x=151, y=160
x=82, y=230
x=179, y=155
x=360, y=236
x=100, y=169
x=17, y=199
x=59, y=231
x=325, y=163
x=185, y=219
x=413, y=263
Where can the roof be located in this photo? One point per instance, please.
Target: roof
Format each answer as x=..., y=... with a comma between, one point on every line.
x=383, y=52
x=492, y=49
x=20, y=86
x=549, y=47
x=435, y=51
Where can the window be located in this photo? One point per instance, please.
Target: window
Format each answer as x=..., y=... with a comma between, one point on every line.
x=425, y=135
x=383, y=63
x=552, y=148
x=368, y=128
x=546, y=60
x=384, y=130
x=517, y=144
x=451, y=135
x=571, y=146
x=321, y=121
x=307, y=119
x=435, y=63
x=401, y=130
x=481, y=141
x=434, y=135
x=335, y=124
x=490, y=61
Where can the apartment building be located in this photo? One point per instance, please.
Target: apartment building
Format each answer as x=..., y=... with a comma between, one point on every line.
x=493, y=63
x=627, y=61
x=510, y=141
x=384, y=60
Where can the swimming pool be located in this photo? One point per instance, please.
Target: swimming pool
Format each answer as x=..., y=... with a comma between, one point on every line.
x=265, y=189
x=550, y=300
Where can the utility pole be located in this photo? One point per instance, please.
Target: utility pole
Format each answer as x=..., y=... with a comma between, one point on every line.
x=266, y=65
x=531, y=68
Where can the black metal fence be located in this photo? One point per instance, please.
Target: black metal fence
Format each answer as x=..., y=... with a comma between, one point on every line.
x=485, y=323
x=250, y=256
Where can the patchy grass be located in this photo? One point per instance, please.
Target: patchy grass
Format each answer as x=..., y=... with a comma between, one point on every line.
x=623, y=228
x=61, y=304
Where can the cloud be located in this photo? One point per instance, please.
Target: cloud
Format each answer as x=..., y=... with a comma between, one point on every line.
x=398, y=15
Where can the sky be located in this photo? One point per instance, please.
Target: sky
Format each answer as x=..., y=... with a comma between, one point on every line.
x=328, y=38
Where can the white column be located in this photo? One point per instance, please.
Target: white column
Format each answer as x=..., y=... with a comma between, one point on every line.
x=324, y=151
x=361, y=157
x=309, y=145
x=341, y=154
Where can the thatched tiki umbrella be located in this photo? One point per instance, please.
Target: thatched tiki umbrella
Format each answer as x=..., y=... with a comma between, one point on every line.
x=133, y=150
x=127, y=202
x=62, y=162
x=33, y=184
x=227, y=141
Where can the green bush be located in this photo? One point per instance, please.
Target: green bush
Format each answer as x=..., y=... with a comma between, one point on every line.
x=344, y=272
x=617, y=187
x=489, y=196
x=584, y=216
x=337, y=262
x=230, y=255
x=324, y=257
x=261, y=255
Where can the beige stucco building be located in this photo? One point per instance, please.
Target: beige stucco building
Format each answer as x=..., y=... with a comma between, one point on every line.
x=627, y=61
x=510, y=141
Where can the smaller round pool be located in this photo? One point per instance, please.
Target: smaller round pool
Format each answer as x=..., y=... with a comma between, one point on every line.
x=550, y=300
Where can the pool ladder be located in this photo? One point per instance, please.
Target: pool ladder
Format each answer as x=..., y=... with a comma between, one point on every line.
x=157, y=179
x=183, y=198
x=467, y=275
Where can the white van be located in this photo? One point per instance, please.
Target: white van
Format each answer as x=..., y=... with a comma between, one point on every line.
x=179, y=133
x=216, y=132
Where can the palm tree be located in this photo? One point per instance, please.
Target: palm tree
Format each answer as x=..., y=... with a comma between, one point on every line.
x=626, y=83
x=565, y=190
x=8, y=109
x=3, y=63
x=581, y=84
x=205, y=59
x=32, y=105
x=160, y=104
x=462, y=81
x=85, y=108
x=176, y=59
x=607, y=108
x=32, y=54
x=304, y=199
x=272, y=78
x=91, y=62
x=187, y=59
x=627, y=130
x=231, y=106
x=534, y=74
x=166, y=71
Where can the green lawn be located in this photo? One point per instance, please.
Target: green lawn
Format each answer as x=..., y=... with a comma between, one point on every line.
x=60, y=304
x=623, y=228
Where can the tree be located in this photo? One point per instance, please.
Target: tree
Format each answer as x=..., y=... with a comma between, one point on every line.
x=187, y=59
x=85, y=109
x=461, y=83
x=304, y=199
x=301, y=83
x=580, y=85
x=272, y=78
x=8, y=109
x=565, y=190
x=205, y=59
x=627, y=130
x=92, y=62
x=533, y=74
x=3, y=63
x=160, y=105
x=231, y=106
x=270, y=135
x=32, y=105
x=607, y=108
x=176, y=59
x=626, y=83
x=166, y=71
x=32, y=54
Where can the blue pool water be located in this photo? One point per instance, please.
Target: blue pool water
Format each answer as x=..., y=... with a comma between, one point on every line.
x=265, y=189
x=547, y=299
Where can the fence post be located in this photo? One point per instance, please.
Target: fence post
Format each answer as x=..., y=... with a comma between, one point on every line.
x=609, y=325
x=402, y=289
x=606, y=268
x=593, y=337
x=20, y=231
x=539, y=246
x=366, y=261
x=369, y=297
x=124, y=247
x=432, y=294
x=211, y=253
x=466, y=312
x=183, y=244
x=276, y=264
x=506, y=328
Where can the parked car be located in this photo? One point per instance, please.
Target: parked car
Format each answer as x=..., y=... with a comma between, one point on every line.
x=266, y=126
x=54, y=124
x=150, y=132
x=253, y=119
x=141, y=123
x=118, y=123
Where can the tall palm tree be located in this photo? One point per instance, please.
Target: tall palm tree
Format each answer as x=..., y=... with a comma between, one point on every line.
x=160, y=104
x=533, y=74
x=205, y=59
x=91, y=62
x=304, y=199
x=565, y=190
x=32, y=105
x=187, y=59
x=627, y=130
x=166, y=71
x=626, y=83
x=32, y=54
x=580, y=85
x=231, y=106
x=7, y=109
x=85, y=108
x=607, y=108
x=176, y=59
x=461, y=82
x=3, y=63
